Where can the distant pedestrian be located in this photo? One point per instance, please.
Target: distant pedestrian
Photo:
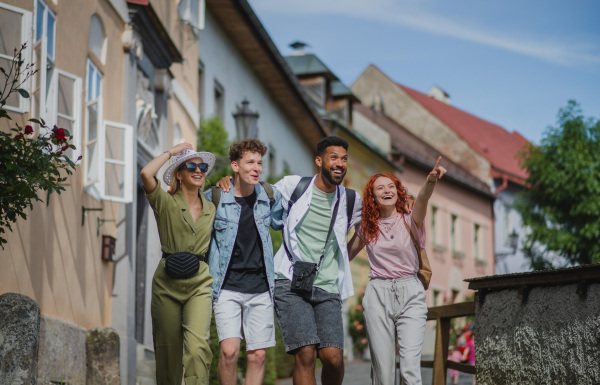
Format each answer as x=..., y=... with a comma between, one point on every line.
x=455, y=356
x=394, y=302
x=181, y=296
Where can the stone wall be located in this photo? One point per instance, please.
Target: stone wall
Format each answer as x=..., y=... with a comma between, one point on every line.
x=36, y=349
x=539, y=335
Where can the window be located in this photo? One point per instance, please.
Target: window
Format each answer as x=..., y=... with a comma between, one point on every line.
x=68, y=108
x=436, y=297
x=44, y=84
x=93, y=119
x=476, y=246
x=116, y=183
x=453, y=230
x=191, y=12
x=219, y=101
x=177, y=137
x=201, y=88
x=97, y=39
x=434, y=232
x=272, y=162
x=15, y=23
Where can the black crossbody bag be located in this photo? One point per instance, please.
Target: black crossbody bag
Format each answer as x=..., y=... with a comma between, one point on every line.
x=304, y=273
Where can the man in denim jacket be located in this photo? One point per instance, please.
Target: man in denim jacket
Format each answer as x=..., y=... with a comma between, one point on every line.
x=241, y=263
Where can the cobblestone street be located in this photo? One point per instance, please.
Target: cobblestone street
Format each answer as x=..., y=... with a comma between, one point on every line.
x=358, y=373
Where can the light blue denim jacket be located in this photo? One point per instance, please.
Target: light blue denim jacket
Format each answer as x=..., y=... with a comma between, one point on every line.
x=226, y=225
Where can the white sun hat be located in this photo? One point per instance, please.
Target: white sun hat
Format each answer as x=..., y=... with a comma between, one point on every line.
x=186, y=155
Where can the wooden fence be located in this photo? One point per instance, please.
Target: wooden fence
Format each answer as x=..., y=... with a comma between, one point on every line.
x=440, y=364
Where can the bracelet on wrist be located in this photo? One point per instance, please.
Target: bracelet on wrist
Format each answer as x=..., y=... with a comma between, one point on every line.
x=168, y=152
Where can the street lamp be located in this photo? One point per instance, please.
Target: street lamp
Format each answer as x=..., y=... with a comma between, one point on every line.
x=246, y=121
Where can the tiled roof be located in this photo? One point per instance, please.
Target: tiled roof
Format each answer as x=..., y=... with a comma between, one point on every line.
x=421, y=154
x=493, y=142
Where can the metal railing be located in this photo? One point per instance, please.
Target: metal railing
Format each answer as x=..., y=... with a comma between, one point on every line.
x=440, y=364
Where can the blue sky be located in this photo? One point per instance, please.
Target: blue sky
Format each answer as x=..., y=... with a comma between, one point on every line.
x=514, y=63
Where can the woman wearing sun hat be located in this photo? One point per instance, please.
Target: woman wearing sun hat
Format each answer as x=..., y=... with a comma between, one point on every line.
x=181, y=299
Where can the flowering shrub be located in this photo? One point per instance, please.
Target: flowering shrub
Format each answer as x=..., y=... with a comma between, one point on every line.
x=356, y=327
x=30, y=163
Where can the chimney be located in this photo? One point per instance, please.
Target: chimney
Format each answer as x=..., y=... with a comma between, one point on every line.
x=439, y=94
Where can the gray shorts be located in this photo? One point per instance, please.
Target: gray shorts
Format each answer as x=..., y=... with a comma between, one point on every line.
x=314, y=319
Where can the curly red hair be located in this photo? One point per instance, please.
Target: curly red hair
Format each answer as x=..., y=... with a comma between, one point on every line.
x=370, y=208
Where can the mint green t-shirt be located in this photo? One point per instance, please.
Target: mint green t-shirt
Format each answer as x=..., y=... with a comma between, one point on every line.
x=312, y=230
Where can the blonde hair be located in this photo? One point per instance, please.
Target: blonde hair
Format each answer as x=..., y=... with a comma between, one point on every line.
x=175, y=185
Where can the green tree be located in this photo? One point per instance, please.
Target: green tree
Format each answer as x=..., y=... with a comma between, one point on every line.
x=561, y=205
x=212, y=137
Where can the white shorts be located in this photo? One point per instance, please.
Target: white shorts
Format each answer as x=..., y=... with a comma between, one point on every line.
x=256, y=313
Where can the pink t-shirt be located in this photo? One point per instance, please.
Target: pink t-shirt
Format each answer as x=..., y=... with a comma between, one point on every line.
x=394, y=254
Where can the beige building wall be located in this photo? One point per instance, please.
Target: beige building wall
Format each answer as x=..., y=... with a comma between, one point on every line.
x=374, y=88
x=51, y=257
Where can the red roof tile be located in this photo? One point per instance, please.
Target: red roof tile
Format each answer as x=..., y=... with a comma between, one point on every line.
x=493, y=142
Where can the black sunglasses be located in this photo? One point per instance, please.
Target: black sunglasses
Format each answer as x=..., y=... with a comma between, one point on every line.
x=191, y=166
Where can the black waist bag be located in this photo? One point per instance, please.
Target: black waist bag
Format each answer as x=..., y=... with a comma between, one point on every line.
x=182, y=265
x=303, y=277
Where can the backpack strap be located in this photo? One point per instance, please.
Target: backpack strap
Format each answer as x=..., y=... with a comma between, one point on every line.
x=350, y=199
x=299, y=190
x=269, y=190
x=216, y=195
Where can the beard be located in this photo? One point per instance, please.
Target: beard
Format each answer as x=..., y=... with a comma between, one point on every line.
x=331, y=178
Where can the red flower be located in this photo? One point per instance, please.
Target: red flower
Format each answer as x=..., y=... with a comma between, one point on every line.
x=65, y=147
x=19, y=136
x=28, y=130
x=59, y=135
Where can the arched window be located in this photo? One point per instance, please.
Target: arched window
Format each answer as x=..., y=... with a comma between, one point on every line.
x=177, y=136
x=97, y=39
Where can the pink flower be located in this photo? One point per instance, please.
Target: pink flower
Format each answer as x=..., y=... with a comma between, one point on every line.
x=359, y=307
x=359, y=327
x=363, y=341
x=356, y=323
x=28, y=130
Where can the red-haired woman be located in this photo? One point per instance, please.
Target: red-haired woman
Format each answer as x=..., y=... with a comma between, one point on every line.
x=394, y=301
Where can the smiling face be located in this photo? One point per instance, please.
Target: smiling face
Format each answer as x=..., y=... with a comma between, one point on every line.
x=248, y=168
x=333, y=164
x=385, y=193
x=191, y=179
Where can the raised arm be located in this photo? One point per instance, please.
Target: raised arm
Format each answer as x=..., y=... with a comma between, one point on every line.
x=150, y=170
x=420, y=207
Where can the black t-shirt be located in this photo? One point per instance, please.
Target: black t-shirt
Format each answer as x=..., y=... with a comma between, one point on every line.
x=246, y=272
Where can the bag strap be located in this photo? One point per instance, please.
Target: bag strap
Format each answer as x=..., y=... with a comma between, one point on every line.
x=216, y=194
x=331, y=223
x=414, y=240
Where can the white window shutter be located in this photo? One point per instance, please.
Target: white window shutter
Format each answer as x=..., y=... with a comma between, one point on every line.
x=116, y=167
x=68, y=108
x=25, y=36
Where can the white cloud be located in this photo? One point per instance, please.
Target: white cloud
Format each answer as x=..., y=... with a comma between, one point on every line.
x=410, y=14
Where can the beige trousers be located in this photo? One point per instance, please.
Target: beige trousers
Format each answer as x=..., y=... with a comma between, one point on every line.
x=395, y=312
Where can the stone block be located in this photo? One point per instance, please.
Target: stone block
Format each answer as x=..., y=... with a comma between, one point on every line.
x=62, y=352
x=102, y=347
x=19, y=339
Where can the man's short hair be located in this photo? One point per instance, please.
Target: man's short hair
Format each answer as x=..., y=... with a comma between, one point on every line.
x=330, y=141
x=237, y=150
